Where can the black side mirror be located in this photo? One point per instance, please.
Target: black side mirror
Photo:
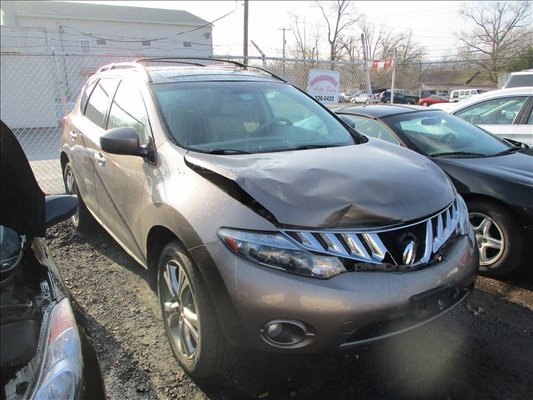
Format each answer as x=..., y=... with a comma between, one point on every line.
x=123, y=141
x=59, y=208
x=347, y=120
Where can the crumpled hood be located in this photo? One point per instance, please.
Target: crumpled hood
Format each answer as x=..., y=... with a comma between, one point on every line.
x=22, y=205
x=371, y=184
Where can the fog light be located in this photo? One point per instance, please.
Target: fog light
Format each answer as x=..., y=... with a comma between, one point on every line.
x=285, y=333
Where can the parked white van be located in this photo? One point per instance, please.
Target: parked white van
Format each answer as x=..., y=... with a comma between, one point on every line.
x=460, y=94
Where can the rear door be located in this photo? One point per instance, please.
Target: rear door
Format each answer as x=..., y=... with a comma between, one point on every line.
x=121, y=182
x=75, y=143
x=90, y=128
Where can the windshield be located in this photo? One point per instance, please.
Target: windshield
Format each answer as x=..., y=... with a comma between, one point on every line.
x=246, y=117
x=438, y=133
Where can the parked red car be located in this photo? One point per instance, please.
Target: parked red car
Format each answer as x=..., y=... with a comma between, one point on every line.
x=433, y=99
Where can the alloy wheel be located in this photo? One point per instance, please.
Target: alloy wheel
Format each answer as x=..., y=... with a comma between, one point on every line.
x=489, y=237
x=180, y=310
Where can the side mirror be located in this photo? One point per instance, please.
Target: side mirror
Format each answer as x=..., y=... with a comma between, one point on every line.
x=347, y=120
x=123, y=141
x=59, y=208
x=11, y=248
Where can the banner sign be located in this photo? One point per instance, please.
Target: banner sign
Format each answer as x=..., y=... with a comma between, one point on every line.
x=324, y=85
x=386, y=64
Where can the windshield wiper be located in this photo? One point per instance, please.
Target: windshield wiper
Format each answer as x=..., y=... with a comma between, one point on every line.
x=510, y=150
x=313, y=146
x=227, y=151
x=458, y=153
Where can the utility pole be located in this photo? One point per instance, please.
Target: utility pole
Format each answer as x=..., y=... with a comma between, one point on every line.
x=245, y=42
x=284, y=42
x=393, y=78
x=367, y=71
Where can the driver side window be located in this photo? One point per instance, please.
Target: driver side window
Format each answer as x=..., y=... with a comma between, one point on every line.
x=128, y=110
x=502, y=111
x=370, y=127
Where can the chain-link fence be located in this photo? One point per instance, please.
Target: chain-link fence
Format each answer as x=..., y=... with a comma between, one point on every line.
x=38, y=89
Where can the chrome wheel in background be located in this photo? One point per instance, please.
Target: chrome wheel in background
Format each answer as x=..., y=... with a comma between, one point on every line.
x=489, y=237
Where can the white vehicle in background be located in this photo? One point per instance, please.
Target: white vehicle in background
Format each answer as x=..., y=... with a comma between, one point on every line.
x=519, y=79
x=461, y=94
x=505, y=112
x=364, y=98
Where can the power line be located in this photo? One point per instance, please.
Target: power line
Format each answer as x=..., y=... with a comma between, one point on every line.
x=151, y=40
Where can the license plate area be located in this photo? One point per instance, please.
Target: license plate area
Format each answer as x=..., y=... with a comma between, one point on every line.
x=434, y=301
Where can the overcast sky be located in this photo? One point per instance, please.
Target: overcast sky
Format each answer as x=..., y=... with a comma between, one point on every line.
x=433, y=23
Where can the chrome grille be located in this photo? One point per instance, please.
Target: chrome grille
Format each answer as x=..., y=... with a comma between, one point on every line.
x=383, y=245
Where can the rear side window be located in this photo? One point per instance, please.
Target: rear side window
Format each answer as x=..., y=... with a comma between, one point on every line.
x=128, y=110
x=501, y=111
x=519, y=81
x=99, y=100
x=85, y=95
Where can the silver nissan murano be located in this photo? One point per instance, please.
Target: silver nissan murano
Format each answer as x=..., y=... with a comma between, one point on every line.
x=264, y=220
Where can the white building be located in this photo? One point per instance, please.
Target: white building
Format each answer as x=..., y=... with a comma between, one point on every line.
x=48, y=49
x=30, y=26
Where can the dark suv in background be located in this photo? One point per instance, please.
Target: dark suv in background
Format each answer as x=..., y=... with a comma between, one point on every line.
x=399, y=98
x=263, y=219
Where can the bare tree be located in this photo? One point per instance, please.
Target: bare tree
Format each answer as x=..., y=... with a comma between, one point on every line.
x=503, y=30
x=339, y=16
x=307, y=43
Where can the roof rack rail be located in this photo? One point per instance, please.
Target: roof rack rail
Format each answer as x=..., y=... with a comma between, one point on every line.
x=182, y=60
x=125, y=65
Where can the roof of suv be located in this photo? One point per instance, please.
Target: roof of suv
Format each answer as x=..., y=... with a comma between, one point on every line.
x=208, y=73
x=191, y=69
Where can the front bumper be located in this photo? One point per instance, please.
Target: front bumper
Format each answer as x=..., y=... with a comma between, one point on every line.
x=349, y=309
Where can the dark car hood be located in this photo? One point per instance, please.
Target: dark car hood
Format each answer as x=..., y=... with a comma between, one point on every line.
x=22, y=205
x=516, y=167
x=371, y=184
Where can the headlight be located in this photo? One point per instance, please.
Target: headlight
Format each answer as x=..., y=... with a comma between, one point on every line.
x=463, y=225
x=276, y=251
x=61, y=373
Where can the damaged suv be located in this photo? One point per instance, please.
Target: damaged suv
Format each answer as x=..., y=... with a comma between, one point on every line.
x=263, y=219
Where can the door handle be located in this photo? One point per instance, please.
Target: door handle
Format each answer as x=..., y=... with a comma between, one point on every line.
x=73, y=135
x=100, y=159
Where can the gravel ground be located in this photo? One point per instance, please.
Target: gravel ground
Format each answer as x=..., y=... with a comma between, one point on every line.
x=481, y=350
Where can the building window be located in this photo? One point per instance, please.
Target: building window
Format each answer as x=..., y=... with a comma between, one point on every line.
x=187, y=44
x=207, y=35
x=101, y=42
x=85, y=46
x=145, y=43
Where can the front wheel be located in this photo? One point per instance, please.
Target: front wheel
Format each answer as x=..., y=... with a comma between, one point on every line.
x=82, y=220
x=498, y=238
x=189, y=316
x=425, y=104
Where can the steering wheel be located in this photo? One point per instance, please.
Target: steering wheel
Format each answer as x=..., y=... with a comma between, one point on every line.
x=280, y=121
x=448, y=138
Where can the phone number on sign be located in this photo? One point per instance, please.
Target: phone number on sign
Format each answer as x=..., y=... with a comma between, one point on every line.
x=324, y=98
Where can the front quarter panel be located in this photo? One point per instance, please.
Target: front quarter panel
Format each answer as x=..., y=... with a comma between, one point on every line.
x=181, y=199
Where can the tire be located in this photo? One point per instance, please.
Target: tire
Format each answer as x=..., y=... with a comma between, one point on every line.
x=387, y=101
x=82, y=220
x=425, y=104
x=498, y=238
x=190, y=321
